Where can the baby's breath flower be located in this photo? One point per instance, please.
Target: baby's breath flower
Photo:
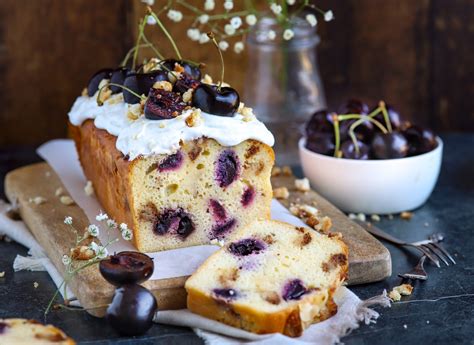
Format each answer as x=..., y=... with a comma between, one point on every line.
x=251, y=19
x=101, y=216
x=291, y=2
x=93, y=230
x=100, y=251
x=203, y=38
x=66, y=260
x=238, y=47
x=236, y=22
x=111, y=223
x=209, y=5
x=275, y=8
x=228, y=5
x=149, y=2
x=127, y=235
x=311, y=19
x=175, y=16
x=288, y=34
x=194, y=34
x=328, y=16
x=123, y=227
x=150, y=20
x=229, y=29
x=223, y=45
x=203, y=18
x=68, y=220
x=271, y=35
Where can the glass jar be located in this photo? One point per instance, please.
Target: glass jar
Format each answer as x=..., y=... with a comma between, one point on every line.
x=283, y=84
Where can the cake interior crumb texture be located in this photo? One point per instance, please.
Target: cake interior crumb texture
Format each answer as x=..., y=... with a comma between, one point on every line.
x=273, y=277
x=201, y=192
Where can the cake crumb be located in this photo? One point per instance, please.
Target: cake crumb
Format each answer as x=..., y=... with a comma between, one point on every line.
x=35, y=285
x=302, y=185
x=89, y=188
x=281, y=193
x=66, y=200
x=82, y=253
x=399, y=291
x=394, y=296
x=276, y=170
x=361, y=217
x=375, y=217
x=326, y=224
x=194, y=119
x=406, y=215
x=37, y=200
x=2, y=274
x=163, y=85
x=188, y=95
x=59, y=191
x=286, y=170
x=206, y=79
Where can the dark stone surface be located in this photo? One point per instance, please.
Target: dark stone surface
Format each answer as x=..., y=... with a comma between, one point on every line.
x=440, y=310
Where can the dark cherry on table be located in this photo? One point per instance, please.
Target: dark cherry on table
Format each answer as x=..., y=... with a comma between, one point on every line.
x=440, y=311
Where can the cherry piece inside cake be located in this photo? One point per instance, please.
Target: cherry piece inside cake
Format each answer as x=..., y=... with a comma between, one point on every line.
x=273, y=277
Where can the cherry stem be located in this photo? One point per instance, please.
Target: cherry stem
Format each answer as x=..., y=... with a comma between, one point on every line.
x=167, y=34
x=213, y=38
x=100, y=103
x=129, y=53
x=141, y=28
x=337, y=136
x=383, y=107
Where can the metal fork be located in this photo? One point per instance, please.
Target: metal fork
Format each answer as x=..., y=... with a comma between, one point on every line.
x=431, y=248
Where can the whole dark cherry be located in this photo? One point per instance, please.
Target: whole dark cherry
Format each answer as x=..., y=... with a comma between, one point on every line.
x=95, y=80
x=222, y=101
x=363, y=132
x=126, y=268
x=132, y=309
x=389, y=146
x=420, y=140
x=393, y=116
x=349, y=151
x=141, y=83
x=162, y=104
x=192, y=70
x=184, y=83
x=322, y=143
x=118, y=77
x=320, y=122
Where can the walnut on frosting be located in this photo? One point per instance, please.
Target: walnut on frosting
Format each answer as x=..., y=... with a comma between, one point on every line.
x=194, y=119
x=188, y=95
x=206, y=79
x=163, y=85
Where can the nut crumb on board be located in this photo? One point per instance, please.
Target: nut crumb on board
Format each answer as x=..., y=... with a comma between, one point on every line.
x=59, y=191
x=375, y=217
x=276, y=171
x=89, y=188
x=302, y=185
x=66, y=200
x=281, y=193
x=406, y=215
x=37, y=200
x=286, y=170
x=399, y=291
x=35, y=285
x=2, y=274
x=310, y=215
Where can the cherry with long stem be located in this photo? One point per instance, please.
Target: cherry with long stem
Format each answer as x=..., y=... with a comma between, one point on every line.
x=213, y=39
x=167, y=34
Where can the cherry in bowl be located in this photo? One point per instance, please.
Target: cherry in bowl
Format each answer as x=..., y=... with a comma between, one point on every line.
x=126, y=268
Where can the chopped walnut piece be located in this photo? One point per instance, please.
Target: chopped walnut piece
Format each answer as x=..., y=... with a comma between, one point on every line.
x=241, y=106
x=188, y=95
x=163, y=85
x=206, y=79
x=89, y=188
x=35, y=285
x=173, y=76
x=82, y=253
x=394, y=295
x=194, y=119
x=105, y=93
x=116, y=99
x=326, y=224
x=59, y=191
x=276, y=171
x=302, y=185
x=178, y=68
x=406, y=215
x=404, y=289
x=286, y=170
x=162, y=125
x=84, y=92
x=281, y=193
x=375, y=217
x=66, y=200
x=134, y=111
x=310, y=215
x=37, y=200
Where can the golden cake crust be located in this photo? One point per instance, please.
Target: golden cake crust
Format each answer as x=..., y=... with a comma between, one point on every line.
x=23, y=331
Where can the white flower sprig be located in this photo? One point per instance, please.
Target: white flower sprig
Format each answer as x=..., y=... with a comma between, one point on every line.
x=87, y=252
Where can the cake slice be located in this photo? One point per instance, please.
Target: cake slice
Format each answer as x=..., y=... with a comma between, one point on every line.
x=273, y=277
x=31, y=332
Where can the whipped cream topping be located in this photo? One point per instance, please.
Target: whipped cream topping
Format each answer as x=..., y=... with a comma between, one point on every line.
x=144, y=137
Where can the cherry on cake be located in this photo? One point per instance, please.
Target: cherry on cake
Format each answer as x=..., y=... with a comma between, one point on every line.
x=273, y=277
x=176, y=157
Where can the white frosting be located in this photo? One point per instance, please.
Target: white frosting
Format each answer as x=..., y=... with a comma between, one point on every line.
x=143, y=137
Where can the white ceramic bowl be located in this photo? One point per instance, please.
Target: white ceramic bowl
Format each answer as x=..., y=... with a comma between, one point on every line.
x=373, y=186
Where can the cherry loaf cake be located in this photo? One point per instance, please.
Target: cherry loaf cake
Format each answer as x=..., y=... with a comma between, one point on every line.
x=179, y=159
x=274, y=278
x=31, y=332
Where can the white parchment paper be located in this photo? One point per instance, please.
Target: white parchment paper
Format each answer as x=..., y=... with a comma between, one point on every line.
x=62, y=157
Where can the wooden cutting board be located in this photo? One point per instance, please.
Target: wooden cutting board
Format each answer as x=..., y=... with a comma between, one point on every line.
x=369, y=260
